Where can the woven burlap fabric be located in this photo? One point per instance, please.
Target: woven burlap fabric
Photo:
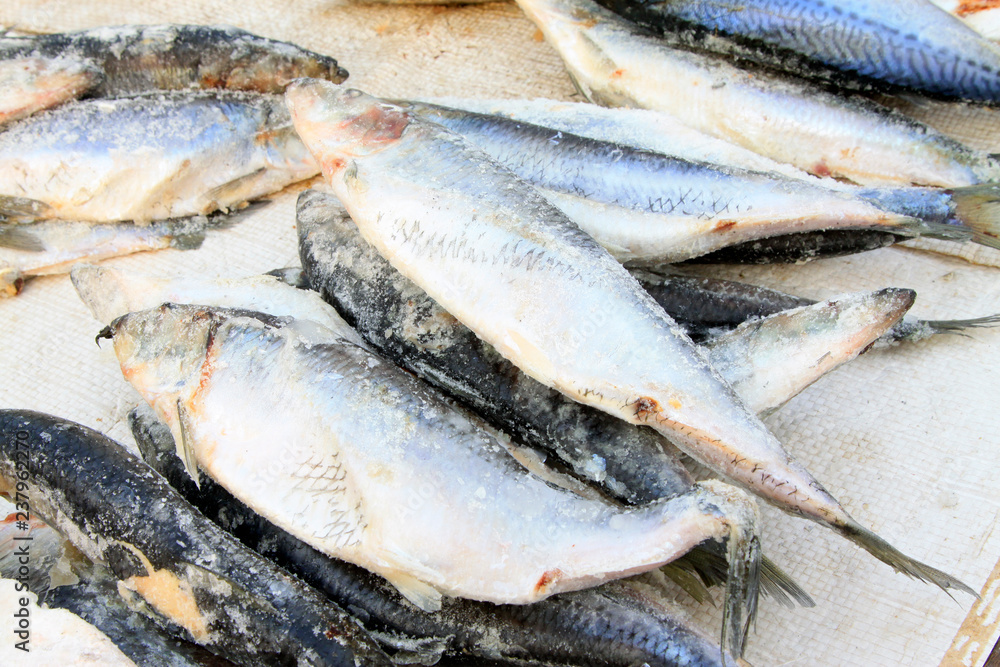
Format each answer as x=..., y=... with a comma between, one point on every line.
x=906, y=437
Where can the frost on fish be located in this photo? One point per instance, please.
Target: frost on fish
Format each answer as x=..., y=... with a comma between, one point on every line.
x=905, y=43
x=379, y=470
x=53, y=247
x=650, y=208
x=142, y=58
x=167, y=559
x=31, y=84
x=616, y=626
x=149, y=157
x=617, y=64
x=497, y=256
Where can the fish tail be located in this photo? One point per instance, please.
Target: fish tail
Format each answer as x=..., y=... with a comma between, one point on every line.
x=742, y=520
x=742, y=586
x=978, y=208
x=899, y=561
x=777, y=584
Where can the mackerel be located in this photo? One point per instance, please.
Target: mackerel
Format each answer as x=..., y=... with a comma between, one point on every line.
x=515, y=270
x=581, y=628
x=618, y=64
x=149, y=158
x=29, y=84
x=651, y=208
x=168, y=558
x=382, y=472
x=143, y=58
x=910, y=44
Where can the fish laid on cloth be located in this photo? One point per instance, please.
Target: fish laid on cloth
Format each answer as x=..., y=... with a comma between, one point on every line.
x=911, y=44
x=188, y=572
x=616, y=63
x=589, y=628
x=143, y=58
x=151, y=157
x=651, y=208
x=54, y=246
x=767, y=361
x=376, y=468
x=506, y=263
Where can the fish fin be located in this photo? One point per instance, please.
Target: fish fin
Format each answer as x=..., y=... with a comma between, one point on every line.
x=291, y=275
x=978, y=208
x=686, y=578
x=781, y=587
x=190, y=241
x=11, y=282
x=17, y=237
x=899, y=561
x=23, y=209
x=958, y=326
x=227, y=219
x=184, y=449
x=238, y=190
x=420, y=593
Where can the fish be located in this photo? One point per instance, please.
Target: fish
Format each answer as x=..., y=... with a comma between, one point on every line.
x=182, y=569
x=908, y=44
x=651, y=208
x=708, y=306
x=382, y=472
x=616, y=63
x=31, y=84
x=800, y=247
x=53, y=247
x=146, y=158
x=578, y=628
x=497, y=256
x=143, y=58
x=63, y=578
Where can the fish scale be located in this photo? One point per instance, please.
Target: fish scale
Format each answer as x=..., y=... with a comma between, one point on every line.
x=637, y=364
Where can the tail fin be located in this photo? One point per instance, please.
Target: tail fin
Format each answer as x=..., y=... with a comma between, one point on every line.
x=916, y=330
x=899, y=561
x=780, y=586
x=978, y=207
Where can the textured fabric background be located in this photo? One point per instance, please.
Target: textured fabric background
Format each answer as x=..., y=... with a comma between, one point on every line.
x=906, y=438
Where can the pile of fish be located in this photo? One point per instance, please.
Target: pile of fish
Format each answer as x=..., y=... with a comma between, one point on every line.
x=462, y=425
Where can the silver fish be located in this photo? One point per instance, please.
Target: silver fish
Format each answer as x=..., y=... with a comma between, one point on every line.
x=617, y=64
x=53, y=247
x=649, y=208
x=907, y=43
x=378, y=470
x=516, y=271
x=149, y=158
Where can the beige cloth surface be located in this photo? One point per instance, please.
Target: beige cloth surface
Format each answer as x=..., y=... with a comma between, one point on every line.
x=906, y=438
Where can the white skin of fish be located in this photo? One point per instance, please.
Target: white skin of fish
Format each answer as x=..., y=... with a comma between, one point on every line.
x=361, y=460
x=111, y=293
x=789, y=122
x=769, y=361
x=151, y=158
x=497, y=256
x=28, y=85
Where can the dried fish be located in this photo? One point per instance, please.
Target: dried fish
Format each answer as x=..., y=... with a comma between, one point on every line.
x=497, y=256
x=382, y=472
x=618, y=64
x=905, y=43
x=149, y=158
x=581, y=628
x=165, y=555
x=144, y=58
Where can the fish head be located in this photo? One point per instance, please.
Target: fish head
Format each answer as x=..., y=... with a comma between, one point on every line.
x=338, y=124
x=163, y=351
